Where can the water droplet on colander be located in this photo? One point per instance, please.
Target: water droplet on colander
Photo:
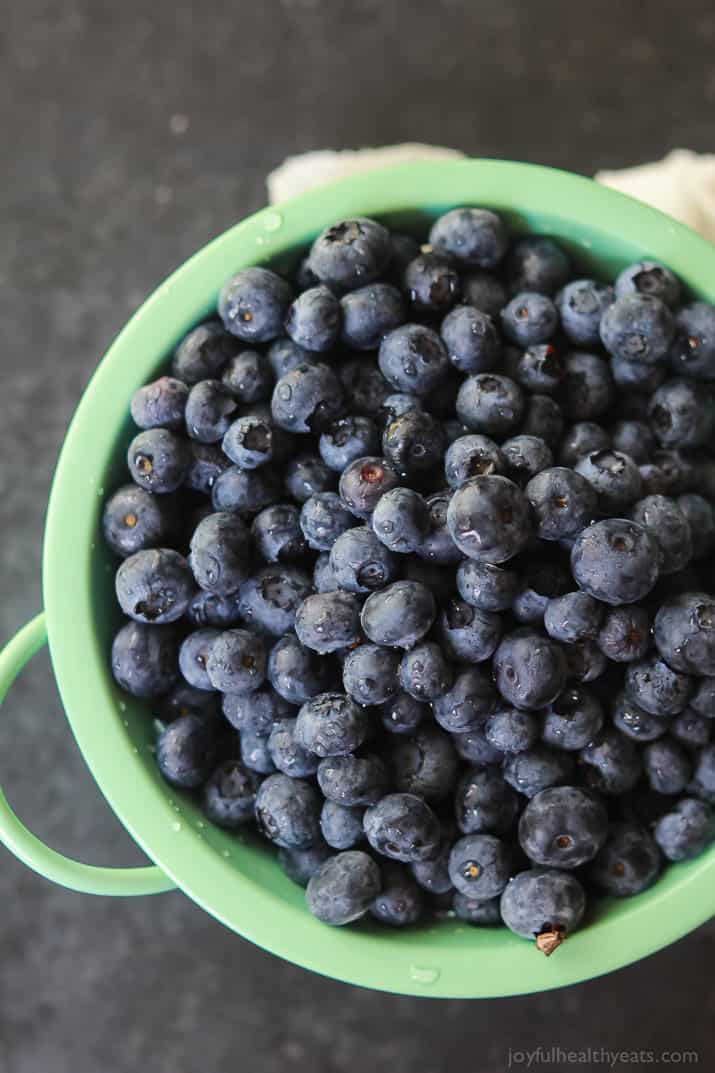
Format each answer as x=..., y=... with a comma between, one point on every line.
x=135, y=751
x=273, y=221
x=226, y=853
x=424, y=974
x=176, y=826
x=122, y=706
x=200, y=824
x=126, y=722
x=260, y=241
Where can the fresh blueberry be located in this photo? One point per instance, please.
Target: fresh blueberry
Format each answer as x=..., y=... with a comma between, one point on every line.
x=529, y=318
x=300, y=865
x=402, y=714
x=207, y=609
x=529, y=669
x=245, y=491
x=638, y=327
x=650, y=278
x=537, y=263
x=666, y=766
x=610, y=763
x=468, y=634
x=476, y=237
x=581, y=304
x=703, y=699
x=544, y=905
x=272, y=596
x=656, y=687
x=563, y=827
x=186, y=751
x=425, y=763
x=543, y=580
x=346, y=439
x=691, y=729
x=525, y=457
x=253, y=304
x=145, y=659
x=484, y=802
x=413, y=358
x=286, y=752
x=369, y=313
x=693, y=349
x=473, y=747
x=638, y=377
x=424, y=672
x=229, y=795
x=236, y=662
x=203, y=353
x=250, y=442
x=700, y=516
x=486, y=586
x=615, y=561
x=627, y=863
x=331, y=724
x=482, y=912
x=572, y=720
x=350, y=253
x=485, y=292
x=664, y=520
x=401, y=520
x=255, y=712
x=471, y=339
x=328, y=621
x=220, y=553
x=399, y=615
x=472, y=456
x=581, y=439
x=363, y=385
x=160, y=404
x=183, y=699
x=397, y=404
x=686, y=831
x=401, y=826
x=438, y=548
x=480, y=865
x=363, y=482
x=283, y=355
x=351, y=780
x=536, y=769
x=585, y=662
x=307, y=399
x=295, y=672
x=370, y=674
x=573, y=617
x=254, y=753
x=703, y=784
x=511, y=731
x=323, y=519
x=404, y=249
x=436, y=576
x=490, y=404
x=249, y=377
x=539, y=368
x=208, y=462
x=288, y=812
x=633, y=438
x=431, y=283
x=635, y=722
x=154, y=586
x=682, y=414
x=543, y=418
x=277, y=535
x=134, y=520
x=413, y=443
x=400, y=902
x=467, y=703
x=307, y=475
x=488, y=519
x=159, y=460
x=343, y=888
x=341, y=826
x=586, y=388
x=193, y=655
x=313, y=319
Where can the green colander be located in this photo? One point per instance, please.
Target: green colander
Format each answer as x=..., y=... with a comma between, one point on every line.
x=238, y=880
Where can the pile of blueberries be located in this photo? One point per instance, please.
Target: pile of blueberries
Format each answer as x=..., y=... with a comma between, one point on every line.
x=416, y=570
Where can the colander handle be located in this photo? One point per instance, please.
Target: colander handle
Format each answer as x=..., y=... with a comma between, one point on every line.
x=65, y=871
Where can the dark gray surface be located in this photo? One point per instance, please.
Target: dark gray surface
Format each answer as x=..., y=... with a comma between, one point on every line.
x=101, y=195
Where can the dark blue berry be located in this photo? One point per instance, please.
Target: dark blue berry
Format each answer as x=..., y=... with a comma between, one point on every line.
x=413, y=358
x=544, y=905
x=485, y=292
x=573, y=617
x=283, y=355
x=296, y=672
x=543, y=418
x=134, y=520
x=249, y=377
x=328, y=621
x=300, y=865
x=581, y=439
x=539, y=368
x=369, y=313
x=364, y=385
x=691, y=729
x=255, y=712
x=343, y=888
x=693, y=349
x=253, y=304
x=208, y=462
x=145, y=659
x=400, y=902
x=610, y=763
x=482, y=912
x=638, y=327
x=370, y=674
x=341, y=826
x=686, y=831
x=288, y=812
x=425, y=763
x=193, y=655
x=186, y=751
x=346, y=439
x=160, y=404
x=307, y=475
x=313, y=319
x=490, y=404
x=431, y=283
x=277, y=535
x=656, y=687
x=586, y=388
x=511, y=731
x=471, y=339
x=401, y=520
x=424, y=672
x=250, y=442
x=563, y=827
x=486, y=586
x=537, y=263
x=488, y=519
x=480, y=865
x=183, y=699
x=615, y=561
x=529, y=318
x=413, y=443
x=438, y=547
x=159, y=460
x=525, y=457
x=581, y=304
x=307, y=399
x=703, y=784
x=476, y=237
x=635, y=722
x=473, y=747
x=402, y=714
x=467, y=703
x=637, y=377
x=700, y=516
x=399, y=615
x=203, y=353
x=627, y=863
x=350, y=253
x=286, y=752
x=572, y=720
x=651, y=278
x=536, y=769
x=220, y=553
x=666, y=766
x=472, y=456
x=484, y=802
x=633, y=438
x=529, y=669
x=323, y=519
x=401, y=826
x=245, y=491
x=230, y=794
x=363, y=482
x=468, y=634
x=682, y=414
x=271, y=597
x=236, y=662
x=664, y=520
x=254, y=753
x=154, y=586
x=352, y=780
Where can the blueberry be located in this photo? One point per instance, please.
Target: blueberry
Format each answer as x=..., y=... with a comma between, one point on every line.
x=473, y=747
x=472, y=456
x=145, y=659
x=682, y=414
x=537, y=263
x=653, y=685
x=635, y=722
x=471, y=339
x=400, y=902
x=363, y=385
x=424, y=672
x=277, y=535
x=134, y=520
x=300, y=865
x=476, y=237
x=488, y=519
x=158, y=460
x=581, y=304
x=399, y=615
x=545, y=905
x=186, y=752
x=585, y=662
x=154, y=586
x=307, y=399
x=438, y=547
x=627, y=863
x=691, y=729
x=431, y=283
x=413, y=358
x=208, y=462
x=666, y=766
x=404, y=249
x=401, y=520
x=573, y=617
x=295, y=672
x=586, y=388
x=425, y=763
x=203, y=353
x=529, y=669
x=700, y=516
x=633, y=438
x=637, y=376
x=543, y=580
x=160, y=404
x=253, y=304
x=563, y=827
x=610, y=763
x=638, y=327
x=525, y=457
x=343, y=888
x=351, y=780
x=193, y=655
x=313, y=319
x=363, y=482
x=236, y=662
x=543, y=418
x=350, y=253
x=230, y=794
x=283, y=355
x=486, y=586
x=287, y=812
x=467, y=703
x=536, y=769
x=323, y=519
x=307, y=475
x=650, y=278
x=250, y=442
x=703, y=784
x=245, y=491
x=686, y=831
x=220, y=553
x=255, y=712
x=511, y=731
x=484, y=802
x=693, y=349
x=540, y=368
x=271, y=598
x=207, y=609
x=413, y=443
x=341, y=826
x=370, y=674
x=703, y=699
x=581, y=439
x=402, y=827
x=529, y=318
x=183, y=699
x=468, y=634
x=286, y=752
x=346, y=439
x=436, y=576
x=480, y=865
x=328, y=621
x=485, y=292
x=331, y=724
x=254, y=753
x=249, y=377
x=482, y=912
x=664, y=520
x=369, y=313
x=615, y=561
x=490, y=404
x=572, y=720
x=402, y=714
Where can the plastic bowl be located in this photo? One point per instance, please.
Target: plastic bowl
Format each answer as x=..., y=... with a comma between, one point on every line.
x=239, y=881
